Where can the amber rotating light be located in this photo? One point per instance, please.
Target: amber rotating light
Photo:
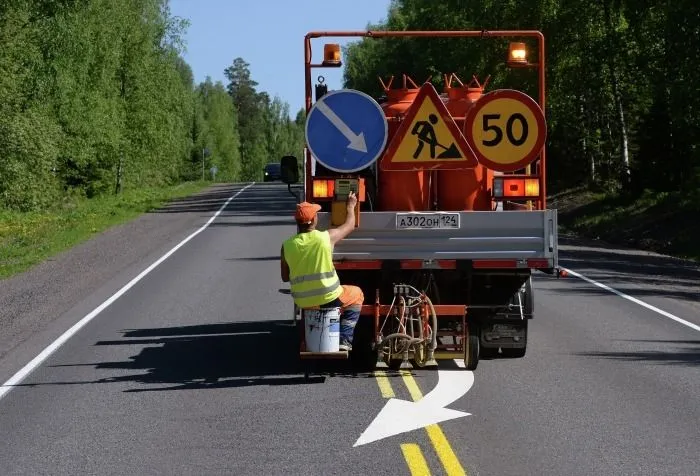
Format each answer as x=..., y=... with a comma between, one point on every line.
x=517, y=54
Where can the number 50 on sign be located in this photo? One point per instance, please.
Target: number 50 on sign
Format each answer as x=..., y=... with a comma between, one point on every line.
x=506, y=129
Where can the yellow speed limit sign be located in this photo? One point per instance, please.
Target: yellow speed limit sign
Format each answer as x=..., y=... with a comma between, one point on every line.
x=506, y=129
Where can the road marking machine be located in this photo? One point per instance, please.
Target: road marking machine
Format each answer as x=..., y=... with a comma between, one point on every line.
x=451, y=218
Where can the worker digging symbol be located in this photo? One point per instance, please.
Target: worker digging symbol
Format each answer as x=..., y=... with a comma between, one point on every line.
x=426, y=135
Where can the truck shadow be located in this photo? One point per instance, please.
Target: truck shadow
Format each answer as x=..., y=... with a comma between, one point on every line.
x=214, y=356
x=681, y=352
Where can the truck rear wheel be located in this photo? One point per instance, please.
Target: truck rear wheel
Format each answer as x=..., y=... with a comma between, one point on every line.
x=471, y=347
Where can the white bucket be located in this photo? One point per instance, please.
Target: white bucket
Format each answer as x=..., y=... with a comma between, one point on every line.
x=322, y=330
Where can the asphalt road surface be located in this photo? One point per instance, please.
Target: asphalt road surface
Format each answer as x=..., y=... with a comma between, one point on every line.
x=190, y=370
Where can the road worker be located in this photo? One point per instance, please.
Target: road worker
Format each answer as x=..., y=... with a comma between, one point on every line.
x=307, y=264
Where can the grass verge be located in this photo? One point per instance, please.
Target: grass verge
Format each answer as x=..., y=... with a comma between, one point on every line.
x=667, y=223
x=27, y=239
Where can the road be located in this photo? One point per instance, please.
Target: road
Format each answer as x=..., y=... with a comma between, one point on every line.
x=190, y=370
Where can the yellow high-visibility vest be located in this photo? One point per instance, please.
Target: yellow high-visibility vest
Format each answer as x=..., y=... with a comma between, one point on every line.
x=312, y=277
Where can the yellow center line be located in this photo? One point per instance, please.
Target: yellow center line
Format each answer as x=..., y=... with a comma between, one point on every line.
x=384, y=384
x=412, y=453
x=415, y=459
x=437, y=437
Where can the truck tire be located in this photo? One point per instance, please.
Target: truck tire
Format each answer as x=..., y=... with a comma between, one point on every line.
x=528, y=299
x=471, y=348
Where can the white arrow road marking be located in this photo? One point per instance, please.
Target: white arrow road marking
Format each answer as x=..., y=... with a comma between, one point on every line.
x=357, y=141
x=400, y=416
x=452, y=385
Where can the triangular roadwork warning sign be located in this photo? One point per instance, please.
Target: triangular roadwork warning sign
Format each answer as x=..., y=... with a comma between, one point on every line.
x=428, y=138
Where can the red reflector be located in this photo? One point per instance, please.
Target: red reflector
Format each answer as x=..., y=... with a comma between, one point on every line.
x=538, y=263
x=448, y=264
x=495, y=263
x=366, y=264
x=411, y=264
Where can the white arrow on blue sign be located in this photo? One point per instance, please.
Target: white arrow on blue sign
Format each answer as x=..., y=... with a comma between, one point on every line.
x=346, y=130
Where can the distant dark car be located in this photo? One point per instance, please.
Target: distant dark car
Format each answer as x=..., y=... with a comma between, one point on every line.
x=272, y=172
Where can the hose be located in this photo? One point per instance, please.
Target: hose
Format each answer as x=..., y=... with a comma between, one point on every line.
x=433, y=338
x=408, y=340
x=391, y=307
x=412, y=340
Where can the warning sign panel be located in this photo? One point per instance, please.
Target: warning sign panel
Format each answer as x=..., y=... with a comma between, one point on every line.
x=428, y=138
x=506, y=130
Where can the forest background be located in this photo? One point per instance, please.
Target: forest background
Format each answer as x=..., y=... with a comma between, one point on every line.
x=101, y=119
x=623, y=102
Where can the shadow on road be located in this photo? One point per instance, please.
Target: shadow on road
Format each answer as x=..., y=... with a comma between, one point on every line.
x=227, y=355
x=683, y=352
x=260, y=199
x=208, y=201
x=288, y=222
x=256, y=258
x=649, y=274
x=640, y=293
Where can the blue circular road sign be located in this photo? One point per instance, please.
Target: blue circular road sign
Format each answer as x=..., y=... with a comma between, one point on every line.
x=346, y=130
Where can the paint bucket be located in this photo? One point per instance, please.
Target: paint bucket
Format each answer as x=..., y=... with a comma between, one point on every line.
x=322, y=329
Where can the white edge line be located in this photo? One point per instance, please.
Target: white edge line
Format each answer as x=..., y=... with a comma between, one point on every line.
x=634, y=300
x=51, y=348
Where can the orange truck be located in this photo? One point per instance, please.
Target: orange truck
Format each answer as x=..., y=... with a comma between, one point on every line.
x=451, y=220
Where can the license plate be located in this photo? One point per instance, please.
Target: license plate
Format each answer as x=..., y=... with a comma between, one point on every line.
x=427, y=221
x=504, y=330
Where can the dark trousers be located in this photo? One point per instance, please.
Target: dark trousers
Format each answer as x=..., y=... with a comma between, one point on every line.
x=349, y=315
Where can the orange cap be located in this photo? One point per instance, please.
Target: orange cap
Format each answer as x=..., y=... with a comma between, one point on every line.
x=306, y=212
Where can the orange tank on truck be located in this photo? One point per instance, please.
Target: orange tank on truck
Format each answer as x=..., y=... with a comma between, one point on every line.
x=452, y=220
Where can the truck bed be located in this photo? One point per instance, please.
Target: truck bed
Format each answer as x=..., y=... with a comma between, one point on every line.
x=479, y=235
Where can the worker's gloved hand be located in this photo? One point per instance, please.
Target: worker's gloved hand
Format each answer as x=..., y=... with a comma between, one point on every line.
x=352, y=201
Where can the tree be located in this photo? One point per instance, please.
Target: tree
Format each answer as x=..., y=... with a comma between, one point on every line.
x=247, y=102
x=621, y=85
x=218, y=124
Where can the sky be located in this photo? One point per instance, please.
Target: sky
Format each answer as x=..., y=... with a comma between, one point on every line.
x=269, y=35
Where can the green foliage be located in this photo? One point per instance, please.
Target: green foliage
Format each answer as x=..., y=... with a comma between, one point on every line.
x=615, y=71
x=216, y=126
x=266, y=130
x=27, y=180
x=96, y=99
x=27, y=238
x=249, y=106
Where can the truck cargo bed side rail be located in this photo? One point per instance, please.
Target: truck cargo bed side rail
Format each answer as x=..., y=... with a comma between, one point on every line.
x=481, y=235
